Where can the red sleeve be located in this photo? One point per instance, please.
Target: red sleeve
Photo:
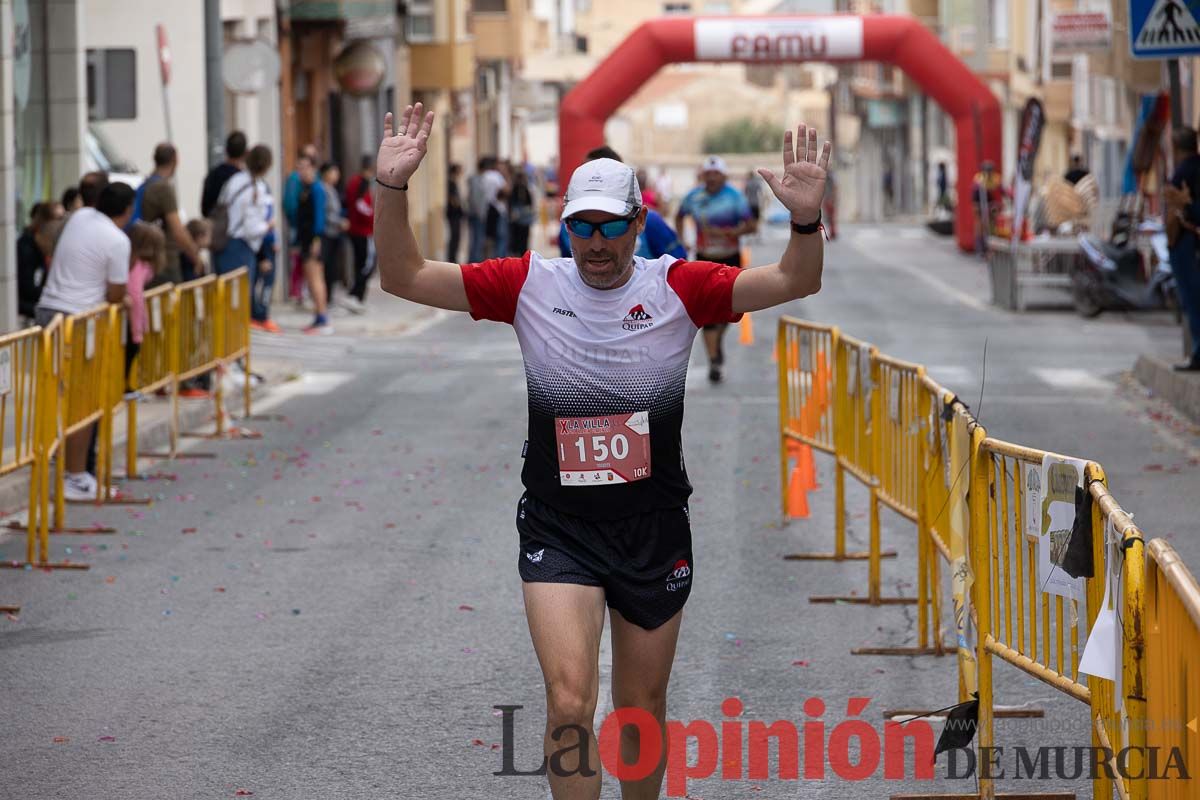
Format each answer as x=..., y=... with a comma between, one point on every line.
x=706, y=290
x=493, y=287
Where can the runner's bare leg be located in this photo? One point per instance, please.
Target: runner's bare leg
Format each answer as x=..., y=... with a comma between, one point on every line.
x=566, y=621
x=642, y=662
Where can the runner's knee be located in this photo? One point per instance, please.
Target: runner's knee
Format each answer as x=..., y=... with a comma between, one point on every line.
x=648, y=698
x=570, y=702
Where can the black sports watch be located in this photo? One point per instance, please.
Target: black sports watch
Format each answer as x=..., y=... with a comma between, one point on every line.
x=811, y=227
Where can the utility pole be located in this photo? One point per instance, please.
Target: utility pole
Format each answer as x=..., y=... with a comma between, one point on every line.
x=1176, y=93
x=214, y=85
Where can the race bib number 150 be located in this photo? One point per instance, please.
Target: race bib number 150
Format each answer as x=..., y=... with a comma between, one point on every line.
x=599, y=450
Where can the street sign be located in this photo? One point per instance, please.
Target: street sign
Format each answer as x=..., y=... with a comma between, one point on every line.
x=1164, y=28
x=1079, y=32
x=779, y=39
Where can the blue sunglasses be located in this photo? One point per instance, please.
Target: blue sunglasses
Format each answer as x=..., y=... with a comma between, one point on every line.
x=613, y=229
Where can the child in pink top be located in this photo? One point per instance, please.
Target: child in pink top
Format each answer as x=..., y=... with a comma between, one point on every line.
x=147, y=255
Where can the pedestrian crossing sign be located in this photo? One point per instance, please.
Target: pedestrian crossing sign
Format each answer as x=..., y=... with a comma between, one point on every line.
x=1164, y=28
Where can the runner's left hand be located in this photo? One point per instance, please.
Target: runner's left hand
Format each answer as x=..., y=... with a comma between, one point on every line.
x=802, y=187
x=403, y=147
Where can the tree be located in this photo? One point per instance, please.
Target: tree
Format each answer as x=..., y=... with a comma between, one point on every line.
x=743, y=135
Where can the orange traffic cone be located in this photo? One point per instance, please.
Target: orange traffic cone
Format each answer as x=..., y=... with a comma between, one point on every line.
x=807, y=467
x=797, y=496
x=746, y=329
x=821, y=382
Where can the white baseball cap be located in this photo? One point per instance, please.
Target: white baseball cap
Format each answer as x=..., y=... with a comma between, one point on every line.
x=603, y=185
x=715, y=164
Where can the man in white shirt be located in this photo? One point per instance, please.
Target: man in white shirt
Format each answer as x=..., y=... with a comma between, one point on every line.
x=495, y=189
x=90, y=267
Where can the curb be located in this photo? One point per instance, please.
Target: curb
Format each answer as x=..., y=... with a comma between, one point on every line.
x=193, y=415
x=1181, y=390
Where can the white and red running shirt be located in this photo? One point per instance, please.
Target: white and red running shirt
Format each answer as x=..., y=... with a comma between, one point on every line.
x=606, y=371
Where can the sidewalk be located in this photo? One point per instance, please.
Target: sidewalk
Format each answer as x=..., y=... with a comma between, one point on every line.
x=385, y=315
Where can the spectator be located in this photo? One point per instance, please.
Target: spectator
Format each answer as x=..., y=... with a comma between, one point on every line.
x=248, y=200
x=829, y=205
x=214, y=181
x=71, y=199
x=454, y=213
x=649, y=195
x=1078, y=171
x=943, y=187
x=520, y=219
x=263, y=279
x=1183, y=234
x=200, y=230
x=90, y=267
x=90, y=187
x=754, y=195
x=360, y=210
x=159, y=204
x=495, y=190
x=291, y=198
x=477, y=211
x=987, y=194
x=311, y=205
x=33, y=257
x=335, y=225
x=148, y=257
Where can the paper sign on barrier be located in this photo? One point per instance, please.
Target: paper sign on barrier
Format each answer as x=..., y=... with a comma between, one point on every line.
x=1056, y=517
x=5, y=371
x=89, y=338
x=1102, y=653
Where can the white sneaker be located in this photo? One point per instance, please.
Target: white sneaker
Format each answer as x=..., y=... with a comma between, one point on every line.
x=79, y=486
x=352, y=304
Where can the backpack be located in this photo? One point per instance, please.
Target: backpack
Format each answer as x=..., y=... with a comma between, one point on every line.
x=219, y=220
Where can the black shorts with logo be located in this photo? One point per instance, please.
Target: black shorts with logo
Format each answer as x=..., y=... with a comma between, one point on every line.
x=643, y=562
x=734, y=260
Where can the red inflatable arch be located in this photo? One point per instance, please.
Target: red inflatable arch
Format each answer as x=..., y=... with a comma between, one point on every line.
x=897, y=40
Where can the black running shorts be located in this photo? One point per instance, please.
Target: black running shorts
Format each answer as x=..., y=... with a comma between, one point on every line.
x=734, y=260
x=643, y=562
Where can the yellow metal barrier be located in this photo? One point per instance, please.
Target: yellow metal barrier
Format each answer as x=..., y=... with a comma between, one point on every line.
x=153, y=369
x=234, y=336
x=87, y=393
x=821, y=406
x=29, y=395
x=1172, y=686
x=1017, y=619
x=980, y=503
x=20, y=354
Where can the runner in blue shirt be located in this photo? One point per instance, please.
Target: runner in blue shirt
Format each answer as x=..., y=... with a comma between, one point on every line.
x=722, y=215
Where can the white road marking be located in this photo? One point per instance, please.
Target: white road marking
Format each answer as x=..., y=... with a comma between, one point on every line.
x=1065, y=378
x=954, y=378
x=309, y=383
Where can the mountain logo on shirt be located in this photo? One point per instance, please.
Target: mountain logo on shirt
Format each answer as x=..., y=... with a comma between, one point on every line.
x=637, y=319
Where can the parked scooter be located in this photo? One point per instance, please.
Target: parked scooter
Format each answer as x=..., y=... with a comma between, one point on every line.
x=1110, y=275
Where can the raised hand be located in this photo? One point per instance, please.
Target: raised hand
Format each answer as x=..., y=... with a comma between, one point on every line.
x=802, y=186
x=403, y=148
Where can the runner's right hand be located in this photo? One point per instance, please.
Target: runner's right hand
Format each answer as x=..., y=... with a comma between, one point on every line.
x=403, y=148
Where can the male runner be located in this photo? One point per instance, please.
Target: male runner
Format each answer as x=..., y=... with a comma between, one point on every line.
x=722, y=216
x=606, y=338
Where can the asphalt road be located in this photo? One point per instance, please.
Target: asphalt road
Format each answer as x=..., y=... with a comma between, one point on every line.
x=334, y=611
